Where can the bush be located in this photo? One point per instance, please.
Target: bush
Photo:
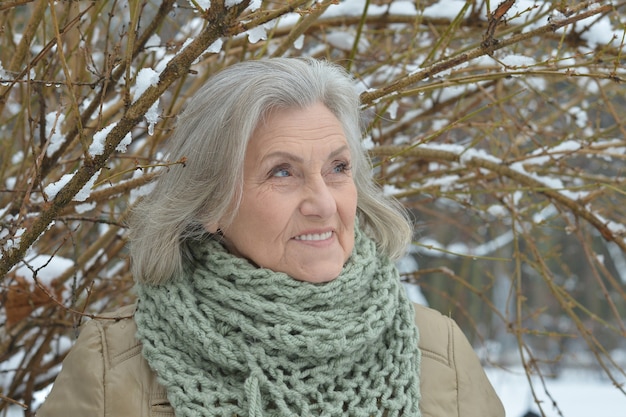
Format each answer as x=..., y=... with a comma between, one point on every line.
x=500, y=126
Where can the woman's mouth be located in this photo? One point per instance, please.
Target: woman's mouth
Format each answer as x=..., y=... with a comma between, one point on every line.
x=312, y=237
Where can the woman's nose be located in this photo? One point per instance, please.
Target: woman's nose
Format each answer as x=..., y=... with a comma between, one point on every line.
x=318, y=199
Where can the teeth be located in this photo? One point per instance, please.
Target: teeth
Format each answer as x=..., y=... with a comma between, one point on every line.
x=315, y=236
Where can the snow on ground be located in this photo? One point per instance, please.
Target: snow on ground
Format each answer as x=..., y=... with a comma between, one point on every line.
x=577, y=393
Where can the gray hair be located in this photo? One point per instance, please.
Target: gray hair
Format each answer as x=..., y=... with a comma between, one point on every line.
x=212, y=134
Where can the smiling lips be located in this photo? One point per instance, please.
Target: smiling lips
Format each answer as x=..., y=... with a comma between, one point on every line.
x=315, y=236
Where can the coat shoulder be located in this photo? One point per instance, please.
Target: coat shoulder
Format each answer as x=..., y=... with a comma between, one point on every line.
x=106, y=374
x=452, y=380
x=118, y=329
x=436, y=334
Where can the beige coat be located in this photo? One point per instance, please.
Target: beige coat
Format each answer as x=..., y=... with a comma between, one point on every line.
x=105, y=375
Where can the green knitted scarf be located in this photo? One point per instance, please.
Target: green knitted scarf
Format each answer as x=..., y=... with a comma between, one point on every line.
x=231, y=339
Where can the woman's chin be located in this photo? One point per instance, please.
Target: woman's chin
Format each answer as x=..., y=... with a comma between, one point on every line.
x=319, y=276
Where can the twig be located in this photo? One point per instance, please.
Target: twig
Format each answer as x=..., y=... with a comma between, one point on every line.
x=370, y=97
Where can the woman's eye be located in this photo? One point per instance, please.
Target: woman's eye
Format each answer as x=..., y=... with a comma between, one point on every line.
x=280, y=172
x=341, y=167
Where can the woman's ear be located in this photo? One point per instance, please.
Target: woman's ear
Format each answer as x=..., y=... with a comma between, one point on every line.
x=212, y=228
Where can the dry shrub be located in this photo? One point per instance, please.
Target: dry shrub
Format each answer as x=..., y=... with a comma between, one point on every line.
x=501, y=127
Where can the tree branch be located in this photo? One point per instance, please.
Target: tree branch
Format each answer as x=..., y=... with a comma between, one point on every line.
x=222, y=22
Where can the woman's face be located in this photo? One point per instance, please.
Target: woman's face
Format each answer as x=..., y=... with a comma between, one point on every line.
x=299, y=199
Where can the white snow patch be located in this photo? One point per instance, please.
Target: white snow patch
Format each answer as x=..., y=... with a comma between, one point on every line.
x=446, y=9
x=299, y=42
x=54, y=120
x=518, y=61
x=51, y=190
x=215, y=47
x=202, y=4
x=391, y=190
x=577, y=393
x=367, y=143
x=403, y=8
x=84, y=192
x=48, y=267
x=146, y=77
x=121, y=147
x=85, y=207
x=257, y=34
x=17, y=158
x=99, y=140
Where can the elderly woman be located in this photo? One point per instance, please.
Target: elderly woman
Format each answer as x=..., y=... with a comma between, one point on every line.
x=264, y=271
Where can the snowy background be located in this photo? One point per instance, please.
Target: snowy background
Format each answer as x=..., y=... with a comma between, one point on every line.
x=574, y=393
x=582, y=390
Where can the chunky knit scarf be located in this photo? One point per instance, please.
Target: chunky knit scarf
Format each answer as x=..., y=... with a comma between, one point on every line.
x=231, y=339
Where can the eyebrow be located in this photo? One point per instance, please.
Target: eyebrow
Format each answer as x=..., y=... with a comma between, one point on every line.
x=297, y=159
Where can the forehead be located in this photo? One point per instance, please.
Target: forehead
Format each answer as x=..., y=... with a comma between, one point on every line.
x=313, y=126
